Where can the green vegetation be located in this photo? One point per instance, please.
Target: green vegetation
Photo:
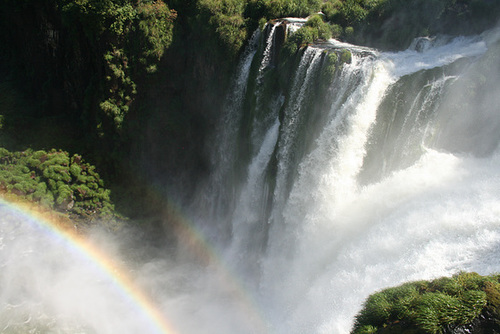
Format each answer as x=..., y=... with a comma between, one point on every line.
x=315, y=29
x=225, y=18
x=436, y=306
x=93, y=53
x=129, y=38
x=333, y=60
x=393, y=24
x=98, y=57
x=286, y=8
x=57, y=181
x=232, y=21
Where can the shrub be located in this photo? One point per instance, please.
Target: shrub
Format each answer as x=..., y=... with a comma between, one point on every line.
x=330, y=64
x=226, y=22
x=434, y=310
x=376, y=311
x=331, y=9
x=345, y=56
x=492, y=290
x=53, y=179
x=286, y=8
x=315, y=29
x=155, y=21
x=367, y=330
x=324, y=30
x=431, y=306
x=127, y=39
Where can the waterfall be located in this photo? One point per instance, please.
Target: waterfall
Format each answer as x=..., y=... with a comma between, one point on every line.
x=218, y=191
x=368, y=182
x=330, y=180
x=292, y=119
x=266, y=56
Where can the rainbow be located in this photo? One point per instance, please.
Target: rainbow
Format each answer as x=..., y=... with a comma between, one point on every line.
x=192, y=239
x=57, y=228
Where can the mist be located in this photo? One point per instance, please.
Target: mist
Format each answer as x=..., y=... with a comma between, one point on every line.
x=50, y=285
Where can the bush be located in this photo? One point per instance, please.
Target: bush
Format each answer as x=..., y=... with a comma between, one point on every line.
x=315, y=29
x=330, y=64
x=431, y=306
x=127, y=39
x=331, y=9
x=155, y=21
x=323, y=28
x=226, y=22
x=345, y=56
x=55, y=180
x=287, y=8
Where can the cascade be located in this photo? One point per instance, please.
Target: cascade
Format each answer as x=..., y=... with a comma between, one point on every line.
x=366, y=180
x=326, y=185
x=219, y=190
x=267, y=54
x=292, y=118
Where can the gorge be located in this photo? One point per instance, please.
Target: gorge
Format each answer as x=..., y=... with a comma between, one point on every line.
x=330, y=174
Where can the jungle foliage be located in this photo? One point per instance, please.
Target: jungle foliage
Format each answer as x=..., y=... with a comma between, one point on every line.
x=130, y=38
x=457, y=304
x=55, y=180
x=85, y=56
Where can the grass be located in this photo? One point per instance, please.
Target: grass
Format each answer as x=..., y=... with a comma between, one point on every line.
x=430, y=306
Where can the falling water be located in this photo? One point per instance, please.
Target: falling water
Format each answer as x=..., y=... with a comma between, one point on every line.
x=292, y=119
x=366, y=185
x=323, y=190
x=266, y=56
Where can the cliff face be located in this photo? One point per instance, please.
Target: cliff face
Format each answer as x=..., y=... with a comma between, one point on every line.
x=134, y=86
x=84, y=59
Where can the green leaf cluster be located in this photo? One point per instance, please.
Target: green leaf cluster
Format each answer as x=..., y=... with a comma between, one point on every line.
x=349, y=12
x=155, y=24
x=430, y=306
x=121, y=87
x=332, y=60
x=315, y=29
x=233, y=20
x=286, y=8
x=226, y=19
x=55, y=180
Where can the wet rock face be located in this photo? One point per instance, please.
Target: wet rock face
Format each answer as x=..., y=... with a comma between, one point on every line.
x=279, y=39
x=279, y=36
x=421, y=44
